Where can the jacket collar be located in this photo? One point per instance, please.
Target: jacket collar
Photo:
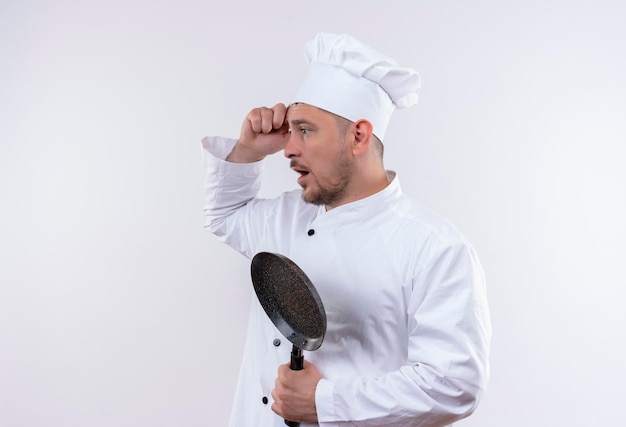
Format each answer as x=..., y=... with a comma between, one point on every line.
x=364, y=208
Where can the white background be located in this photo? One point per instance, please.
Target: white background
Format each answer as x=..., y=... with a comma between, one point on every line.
x=118, y=309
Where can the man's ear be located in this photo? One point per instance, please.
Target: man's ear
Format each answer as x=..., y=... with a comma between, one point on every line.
x=362, y=136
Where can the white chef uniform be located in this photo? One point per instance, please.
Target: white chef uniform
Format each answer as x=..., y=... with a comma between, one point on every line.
x=408, y=323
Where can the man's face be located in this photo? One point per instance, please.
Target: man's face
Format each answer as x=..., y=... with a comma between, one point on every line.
x=319, y=153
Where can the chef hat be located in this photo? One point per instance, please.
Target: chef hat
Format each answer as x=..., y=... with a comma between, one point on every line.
x=354, y=81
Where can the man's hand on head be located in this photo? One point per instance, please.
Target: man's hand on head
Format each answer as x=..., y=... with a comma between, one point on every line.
x=264, y=131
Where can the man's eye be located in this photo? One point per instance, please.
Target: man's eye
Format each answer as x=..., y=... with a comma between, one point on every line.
x=304, y=131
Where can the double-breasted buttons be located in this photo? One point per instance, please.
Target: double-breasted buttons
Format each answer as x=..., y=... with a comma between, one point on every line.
x=276, y=342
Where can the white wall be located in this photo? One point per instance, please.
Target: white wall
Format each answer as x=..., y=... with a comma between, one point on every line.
x=117, y=309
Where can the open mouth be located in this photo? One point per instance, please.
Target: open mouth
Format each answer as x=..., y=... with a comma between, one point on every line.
x=300, y=171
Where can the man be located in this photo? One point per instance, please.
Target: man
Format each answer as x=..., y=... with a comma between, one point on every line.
x=408, y=325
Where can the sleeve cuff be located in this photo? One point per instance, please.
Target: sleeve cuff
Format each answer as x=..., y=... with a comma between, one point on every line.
x=324, y=403
x=218, y=146
x=215, y=151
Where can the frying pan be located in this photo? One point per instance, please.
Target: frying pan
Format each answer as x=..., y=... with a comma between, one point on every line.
x=292, y=304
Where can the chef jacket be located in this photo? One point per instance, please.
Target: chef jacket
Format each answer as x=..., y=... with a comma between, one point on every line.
x=408, y=326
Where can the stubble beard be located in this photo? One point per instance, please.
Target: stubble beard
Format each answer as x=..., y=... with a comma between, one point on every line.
x=328, y=193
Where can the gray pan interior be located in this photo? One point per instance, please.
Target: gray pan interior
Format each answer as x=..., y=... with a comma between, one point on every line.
x=289, y=299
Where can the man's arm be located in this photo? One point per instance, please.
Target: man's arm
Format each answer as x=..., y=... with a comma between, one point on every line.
x=232, y=175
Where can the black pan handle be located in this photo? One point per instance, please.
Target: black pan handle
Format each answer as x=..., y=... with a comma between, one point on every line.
x=297, y=363
x=297, y=359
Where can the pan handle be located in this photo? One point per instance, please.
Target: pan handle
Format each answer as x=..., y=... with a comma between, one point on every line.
x=297, y=359
x=297, y=363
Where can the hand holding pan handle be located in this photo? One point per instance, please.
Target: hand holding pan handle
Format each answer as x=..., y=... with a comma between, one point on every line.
x=292, y=304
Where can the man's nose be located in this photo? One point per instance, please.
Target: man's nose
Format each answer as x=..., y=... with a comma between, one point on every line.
x=291, y=148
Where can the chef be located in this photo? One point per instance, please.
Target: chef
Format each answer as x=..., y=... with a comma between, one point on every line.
x=408, y=326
